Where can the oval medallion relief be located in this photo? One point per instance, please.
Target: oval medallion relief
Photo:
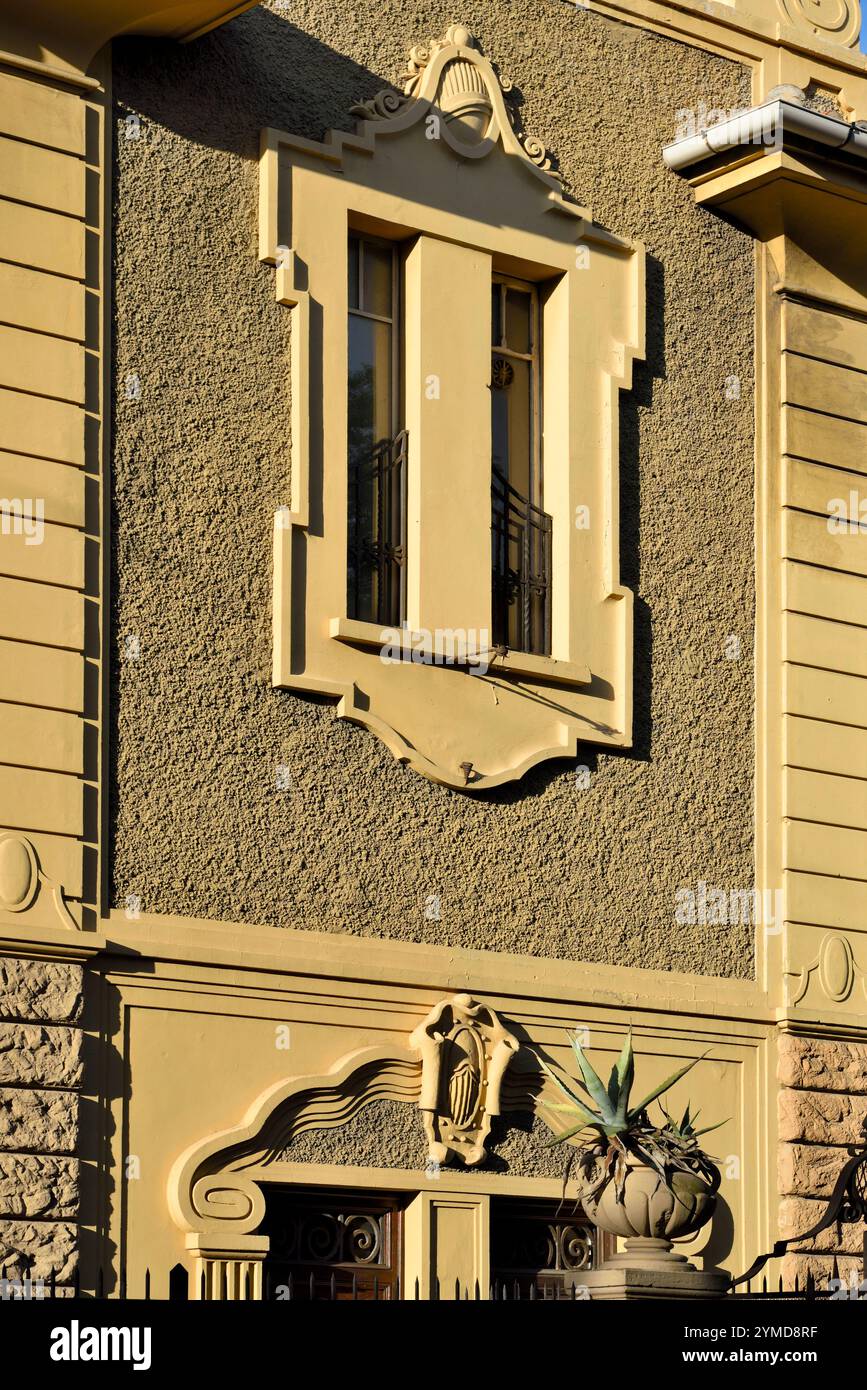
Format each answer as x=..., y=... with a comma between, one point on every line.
x=19, y=873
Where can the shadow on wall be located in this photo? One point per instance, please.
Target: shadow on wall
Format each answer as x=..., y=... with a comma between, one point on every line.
x=261, y=70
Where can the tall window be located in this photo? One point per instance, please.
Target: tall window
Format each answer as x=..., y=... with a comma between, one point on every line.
x=521, y=546
x=377, y=447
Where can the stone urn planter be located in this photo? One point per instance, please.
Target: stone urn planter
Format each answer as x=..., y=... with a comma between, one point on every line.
x=647, y=1181
x=648, y=1213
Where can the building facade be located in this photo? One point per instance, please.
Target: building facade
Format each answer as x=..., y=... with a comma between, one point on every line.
x=432, y=616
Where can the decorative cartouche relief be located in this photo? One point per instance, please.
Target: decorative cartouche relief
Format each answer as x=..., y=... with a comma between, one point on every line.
x=465, y=1051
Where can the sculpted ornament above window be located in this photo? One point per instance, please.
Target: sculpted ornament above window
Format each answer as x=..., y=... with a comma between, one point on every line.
x=465, y=1051
x=446, y=563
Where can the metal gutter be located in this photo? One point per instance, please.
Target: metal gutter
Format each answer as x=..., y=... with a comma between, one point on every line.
x=767, y=125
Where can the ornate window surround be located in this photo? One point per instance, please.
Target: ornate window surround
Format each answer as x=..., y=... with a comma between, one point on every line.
x=442, y=164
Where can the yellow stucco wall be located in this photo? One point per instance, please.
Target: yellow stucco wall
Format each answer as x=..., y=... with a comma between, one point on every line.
x=356, y=843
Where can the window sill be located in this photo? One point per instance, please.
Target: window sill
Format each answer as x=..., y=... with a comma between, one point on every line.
x=418, y=647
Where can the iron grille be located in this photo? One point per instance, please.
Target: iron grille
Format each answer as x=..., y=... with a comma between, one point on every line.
x=377, y=533
x=521, y=553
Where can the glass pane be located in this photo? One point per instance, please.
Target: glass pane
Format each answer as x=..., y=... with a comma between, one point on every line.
x=369, y=424
x=369, y=385
x=519, y=399
x=518, y=306
x=499, y=421
x=496, y=315
x=378, y=264
x=354, y=248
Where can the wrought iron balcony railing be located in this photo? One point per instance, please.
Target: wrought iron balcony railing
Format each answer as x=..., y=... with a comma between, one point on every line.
x=521, y=554
x=377, y=533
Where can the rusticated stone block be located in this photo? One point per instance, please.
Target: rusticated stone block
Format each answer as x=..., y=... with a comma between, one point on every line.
x=32, y=1054
x=809, y=1170
x=817, y=1064
x=820, y=1266
x=41, y=1121
x=38, y=1248
x=38, y=1185
x=820, y=1117
x=49, y=991
x=799, y=1214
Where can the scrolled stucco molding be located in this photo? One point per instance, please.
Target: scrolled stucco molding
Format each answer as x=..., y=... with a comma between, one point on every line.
x=209, y=1190
x=453, y=1070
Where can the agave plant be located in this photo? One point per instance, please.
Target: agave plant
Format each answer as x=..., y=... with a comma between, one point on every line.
x=617, y=1129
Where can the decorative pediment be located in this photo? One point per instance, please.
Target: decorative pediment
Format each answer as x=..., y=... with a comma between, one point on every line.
x=451, y=82
x=453, y=1069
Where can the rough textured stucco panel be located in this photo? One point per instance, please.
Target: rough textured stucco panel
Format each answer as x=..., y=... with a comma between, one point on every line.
x=388, y=1134
x=357, y=844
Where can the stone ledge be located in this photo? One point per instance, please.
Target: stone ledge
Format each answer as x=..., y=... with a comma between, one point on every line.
x=823, y=1117
x=39, y=1121
x=33, y=1054
x=38, y=1185
x=38, y=990
x=38, y=1249
x=809, y=1170
x=799, y=1213
x=820, y=1266
x=817, y=1064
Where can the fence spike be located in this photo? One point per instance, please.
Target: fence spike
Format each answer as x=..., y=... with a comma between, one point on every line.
x=835, y=1270
x=416, y=1289
x=147, y=1291
x=333, y=1287
x=478, y=1292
